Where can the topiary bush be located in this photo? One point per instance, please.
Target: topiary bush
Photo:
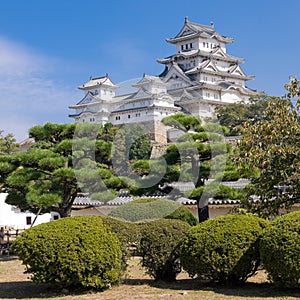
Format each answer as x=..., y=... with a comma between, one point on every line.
x=184, y=214
x=151, y=208
x=280, y=250
x=160, y=247
x=71, y=252
x=224, y=249
x=128, y=234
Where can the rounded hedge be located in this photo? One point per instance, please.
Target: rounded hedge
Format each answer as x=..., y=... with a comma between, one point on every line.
x=71, y=252
x=128, y=234
x=160, y=247
x=224, y=249
x=280, y=250
x=146, y=209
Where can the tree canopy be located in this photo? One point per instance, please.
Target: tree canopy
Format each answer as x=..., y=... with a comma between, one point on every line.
x=270, y=149
x=234, y=115
x=65, y=159
x=8, y=143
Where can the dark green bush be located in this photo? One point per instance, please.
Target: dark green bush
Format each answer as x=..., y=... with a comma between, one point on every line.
x=160, y=247
x=128, y=234
x=151, y=208
x=224, y=249
x=71, y=252
x=148, y=209
x=184, y=214
x=280, y=250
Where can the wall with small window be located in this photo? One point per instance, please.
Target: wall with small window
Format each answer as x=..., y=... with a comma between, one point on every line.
x=13, y=217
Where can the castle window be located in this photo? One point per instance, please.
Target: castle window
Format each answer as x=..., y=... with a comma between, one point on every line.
x=182, y=47
x=216, y=96
x=207, y=95
x=203, y=44
x=128, y=116
x=191, y=45
x=186, y=46
x=28, y=220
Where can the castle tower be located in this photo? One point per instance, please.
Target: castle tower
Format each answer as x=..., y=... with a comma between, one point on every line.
x=202, y=75
x=96, y=104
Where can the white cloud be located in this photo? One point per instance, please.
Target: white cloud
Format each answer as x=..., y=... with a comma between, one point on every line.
x=29, y=94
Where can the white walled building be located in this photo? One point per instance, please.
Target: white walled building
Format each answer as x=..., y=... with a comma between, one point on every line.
x=198, y=77
x=11, y=216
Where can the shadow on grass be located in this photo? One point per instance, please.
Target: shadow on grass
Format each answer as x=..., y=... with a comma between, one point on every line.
x=248, y=289
x=31, y=290
x=8, y=257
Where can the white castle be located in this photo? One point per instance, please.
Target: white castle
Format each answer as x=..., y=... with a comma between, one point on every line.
x=196, y=79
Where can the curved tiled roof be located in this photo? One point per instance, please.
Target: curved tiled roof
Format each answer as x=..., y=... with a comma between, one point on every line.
x=86, y=201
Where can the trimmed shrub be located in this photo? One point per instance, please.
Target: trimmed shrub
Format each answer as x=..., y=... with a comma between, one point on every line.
x=183, y=213
x=145, y=209
x=224, y=249
x=150, y=209
x=280, y=250
x=71, y=252
x=160, y=247
x=128, y=234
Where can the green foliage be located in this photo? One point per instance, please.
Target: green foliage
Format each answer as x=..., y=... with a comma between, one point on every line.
x=52, y=133
x=224, y=249
x=8, y=143
x=270, y=149
x=128, y=234
x=42, y=178
x=71, y=252
x=280, y=250
x=172, y=155
x=184, y=214
x=148, y=209
x=236, y=114
x=217, y=191
x=160, y=248
x=140, y=148
x=151, y=208
x=141, y=167
x=181, y=121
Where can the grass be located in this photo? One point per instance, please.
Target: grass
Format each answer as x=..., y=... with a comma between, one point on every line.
x=137, y=285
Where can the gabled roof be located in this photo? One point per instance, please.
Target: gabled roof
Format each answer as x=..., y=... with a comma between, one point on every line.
x=192, y=30
x=177, y=71
x=89, y=98
x=219, y=52
x=147, y=79
x=207, y=64
x=226, y=85
x=97, y=82
x=236, y=70
x=186, y=95
x=141, y=93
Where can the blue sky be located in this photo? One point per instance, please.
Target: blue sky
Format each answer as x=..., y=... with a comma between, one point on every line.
x=50, y=47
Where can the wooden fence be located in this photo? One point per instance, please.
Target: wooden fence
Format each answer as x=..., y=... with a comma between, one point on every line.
x=7, y=236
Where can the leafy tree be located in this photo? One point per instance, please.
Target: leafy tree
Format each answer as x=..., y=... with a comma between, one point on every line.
x=270, y=149
x=199, y=154
x=236, y=114
x=8, y=143
x=141, y=148
x=43, y=178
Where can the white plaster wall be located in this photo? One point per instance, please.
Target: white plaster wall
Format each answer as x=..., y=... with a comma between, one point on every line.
x=231, y=96
x=13, y=217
